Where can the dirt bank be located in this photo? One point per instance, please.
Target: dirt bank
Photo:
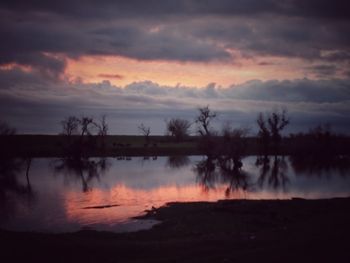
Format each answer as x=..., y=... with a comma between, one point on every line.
x=225, y=231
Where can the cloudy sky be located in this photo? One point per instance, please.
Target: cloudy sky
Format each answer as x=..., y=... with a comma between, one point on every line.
x=147, y=61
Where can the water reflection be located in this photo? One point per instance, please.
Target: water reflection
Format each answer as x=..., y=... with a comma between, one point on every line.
x=321, y=166
x=10, y=185
x=207, y=175
x=212, y=172
x=84, y=169
x=178, y=161
x=274, y=174
x=232, y=173
x=116, y=190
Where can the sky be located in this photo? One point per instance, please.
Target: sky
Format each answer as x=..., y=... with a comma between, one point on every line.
x=149, y=61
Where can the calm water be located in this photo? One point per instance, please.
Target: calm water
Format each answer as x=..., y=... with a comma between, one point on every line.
x=57, y=195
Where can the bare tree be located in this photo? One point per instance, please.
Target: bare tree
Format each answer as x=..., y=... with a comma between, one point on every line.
x=146, y=131
x=102, y=126
x=203, y=120
x=277, y=122
x=86, y=125
x=178, y=128
x=70, y=125
x=271, y=126
x=6, y=129
x=83, y=127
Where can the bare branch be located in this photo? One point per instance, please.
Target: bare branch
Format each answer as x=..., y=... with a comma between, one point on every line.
x=203, y=120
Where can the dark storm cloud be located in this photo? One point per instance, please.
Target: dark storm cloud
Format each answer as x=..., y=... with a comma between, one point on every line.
x=302, y=90
x=185, y=30
x=26, y=42
x=315, y=8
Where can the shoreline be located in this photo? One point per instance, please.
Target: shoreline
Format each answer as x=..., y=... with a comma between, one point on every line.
x=222, y=231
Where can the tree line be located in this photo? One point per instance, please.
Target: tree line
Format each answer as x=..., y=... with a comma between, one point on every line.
x=84, y=133
x=88, y=134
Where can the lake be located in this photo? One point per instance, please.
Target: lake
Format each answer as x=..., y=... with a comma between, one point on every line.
x=61, y=195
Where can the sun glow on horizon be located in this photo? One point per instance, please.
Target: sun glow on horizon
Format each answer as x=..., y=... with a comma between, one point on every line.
x=122, y=71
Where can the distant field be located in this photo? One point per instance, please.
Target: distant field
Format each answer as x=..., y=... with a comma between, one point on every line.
x=52, y=145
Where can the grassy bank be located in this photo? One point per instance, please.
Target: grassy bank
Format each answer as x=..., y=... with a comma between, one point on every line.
x=224, y=231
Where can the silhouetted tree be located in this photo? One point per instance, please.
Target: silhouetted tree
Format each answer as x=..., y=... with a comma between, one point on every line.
x=82, y=128
x=207, y=142
x=204, y=119
x=70, y=125
x=102, y=127
x=6, y=129
x=145, y=131
x=178, y=128
x=277, y=122
x=271, y=126
x=87, y=124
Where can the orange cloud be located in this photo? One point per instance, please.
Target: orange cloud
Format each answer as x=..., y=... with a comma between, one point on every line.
x=122, y=71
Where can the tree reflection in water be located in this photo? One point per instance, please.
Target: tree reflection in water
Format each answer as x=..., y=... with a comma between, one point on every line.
x=207, y=175
x=11, y=189
x=84, y=169
x=273, y=173
x=321, y=166
x=232, y=173
x=212, y=171
x=178, y=161
x=222, y=170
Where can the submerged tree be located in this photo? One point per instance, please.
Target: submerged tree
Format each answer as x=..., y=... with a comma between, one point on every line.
x=178, y=128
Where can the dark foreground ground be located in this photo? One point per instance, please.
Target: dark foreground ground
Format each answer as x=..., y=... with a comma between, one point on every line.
x=226, y=231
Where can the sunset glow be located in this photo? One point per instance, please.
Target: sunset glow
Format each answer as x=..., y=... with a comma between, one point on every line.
x=122, y=71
